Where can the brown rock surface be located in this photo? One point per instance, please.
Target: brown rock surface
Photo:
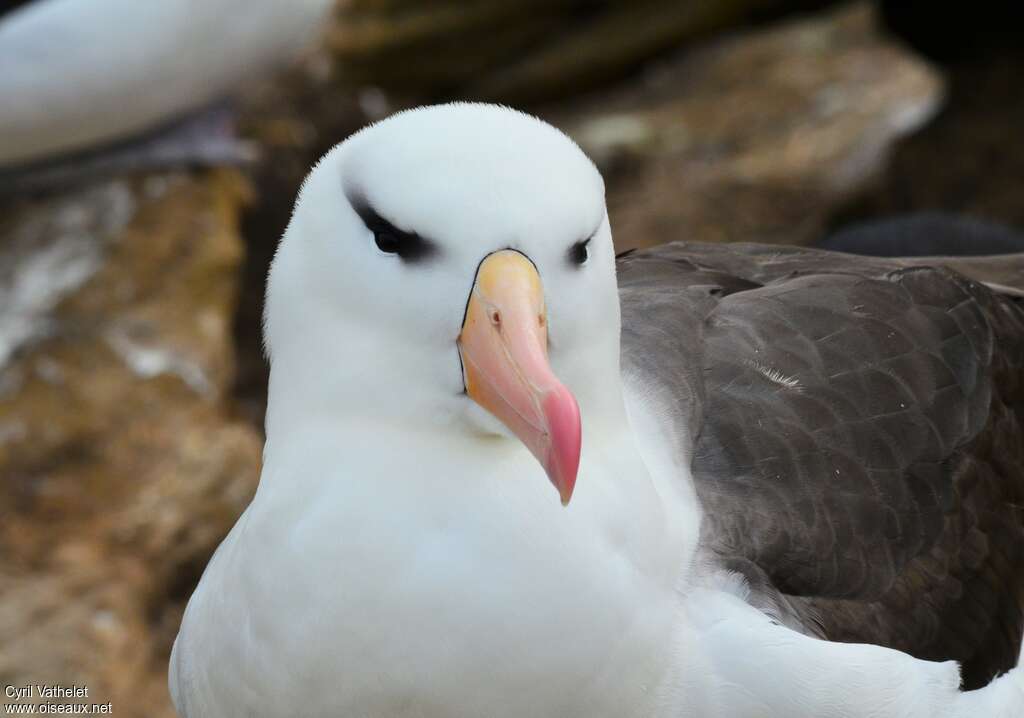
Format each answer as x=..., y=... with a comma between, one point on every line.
x=120, y=466
x=757, y=137
x=970, y=159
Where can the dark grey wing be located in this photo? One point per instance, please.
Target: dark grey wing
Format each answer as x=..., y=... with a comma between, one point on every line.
x=664, y=305
x=856, y=435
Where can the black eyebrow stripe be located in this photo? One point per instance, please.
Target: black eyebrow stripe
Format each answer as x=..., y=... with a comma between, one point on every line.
x=411, y=246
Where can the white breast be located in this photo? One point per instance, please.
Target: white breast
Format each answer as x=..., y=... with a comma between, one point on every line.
x=423, y=593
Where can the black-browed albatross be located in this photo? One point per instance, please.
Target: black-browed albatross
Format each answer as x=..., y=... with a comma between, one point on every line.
x=798, y=494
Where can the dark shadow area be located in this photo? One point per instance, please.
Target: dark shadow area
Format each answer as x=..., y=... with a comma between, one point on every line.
x=970, y=159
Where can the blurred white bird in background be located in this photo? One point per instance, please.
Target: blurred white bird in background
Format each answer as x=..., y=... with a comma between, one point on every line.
x=79, y=74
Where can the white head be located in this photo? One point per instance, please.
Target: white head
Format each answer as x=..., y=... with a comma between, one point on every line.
x=380, y=291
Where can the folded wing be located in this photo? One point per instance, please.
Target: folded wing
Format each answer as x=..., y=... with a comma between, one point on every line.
x=856, y=431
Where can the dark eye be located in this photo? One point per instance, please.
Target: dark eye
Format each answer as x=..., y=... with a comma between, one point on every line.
x=390, y=239
x=386, y=241
x=579, y=253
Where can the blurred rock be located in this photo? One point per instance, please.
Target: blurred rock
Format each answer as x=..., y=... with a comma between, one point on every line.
x=522, y=51
x=121, y=467
x=758, y=137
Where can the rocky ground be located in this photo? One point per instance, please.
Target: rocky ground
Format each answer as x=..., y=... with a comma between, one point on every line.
x=122, y=463
x=131, y=376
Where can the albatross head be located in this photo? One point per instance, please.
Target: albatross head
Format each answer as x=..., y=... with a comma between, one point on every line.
x=451, y=266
